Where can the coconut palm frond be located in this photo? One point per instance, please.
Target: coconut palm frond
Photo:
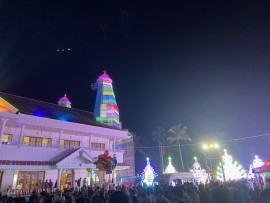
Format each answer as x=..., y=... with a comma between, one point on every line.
x=137, y=142
x=159, y=136
x=178, y=132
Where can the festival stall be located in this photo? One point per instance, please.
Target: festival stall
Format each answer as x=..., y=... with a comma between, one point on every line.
x=263, y=172
x=181, y=177
x=265, y=168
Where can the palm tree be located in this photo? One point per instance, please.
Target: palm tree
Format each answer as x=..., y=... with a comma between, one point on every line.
x=177, y=133
x=160, y=138
x=137, y=143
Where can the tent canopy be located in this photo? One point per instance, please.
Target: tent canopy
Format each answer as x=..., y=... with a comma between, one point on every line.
x=182, y=176
x=264, y=168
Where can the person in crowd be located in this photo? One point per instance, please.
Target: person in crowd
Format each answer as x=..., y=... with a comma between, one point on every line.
x=241, y=193
x=79, y=182
x=143, y=197
x=55, y=185
x=193, y=193
x=220, y=193
x=159, y=197
x=204, y=195
x=133, y=197
x=50, y=185
x=46, y=185
x=98, y=197
x=265, y=195
x=84, y=182
x=177, y=195
x=119, y=196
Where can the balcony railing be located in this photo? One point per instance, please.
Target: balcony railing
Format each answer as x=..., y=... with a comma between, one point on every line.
x=38, y=145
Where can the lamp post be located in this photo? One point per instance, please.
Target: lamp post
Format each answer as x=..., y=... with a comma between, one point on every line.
x=214, y=146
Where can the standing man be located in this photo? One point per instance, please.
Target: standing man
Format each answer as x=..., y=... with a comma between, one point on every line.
x=46, y=185
x=79, y=183
x=84, y=182
x=50, y=184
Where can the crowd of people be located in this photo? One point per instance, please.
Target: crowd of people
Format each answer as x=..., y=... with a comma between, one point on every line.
x=214, y=192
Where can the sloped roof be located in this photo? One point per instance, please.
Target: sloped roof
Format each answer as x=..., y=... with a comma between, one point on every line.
x=53, y=111
x=264, y=168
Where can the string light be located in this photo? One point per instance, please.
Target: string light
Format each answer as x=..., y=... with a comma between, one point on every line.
x=231, y=169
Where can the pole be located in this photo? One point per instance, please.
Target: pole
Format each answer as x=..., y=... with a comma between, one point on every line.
x=180, y=153
x=161, y=159
x=222, y=166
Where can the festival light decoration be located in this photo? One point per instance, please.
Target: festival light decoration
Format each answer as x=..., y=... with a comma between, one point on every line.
x=64, y=101
x=232, y=170
x=256, y=163
x=106, y=109
x=170, y=168
x=105, y=162
x=200, y=174
x=148, y=174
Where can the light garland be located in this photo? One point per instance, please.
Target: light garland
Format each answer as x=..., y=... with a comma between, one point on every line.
x=231, y=169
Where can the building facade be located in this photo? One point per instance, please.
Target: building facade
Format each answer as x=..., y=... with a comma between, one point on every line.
x=42, y=141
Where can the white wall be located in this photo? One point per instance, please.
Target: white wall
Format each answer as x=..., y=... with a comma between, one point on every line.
x=84, y=140
x=51, y=174
x=80, y=173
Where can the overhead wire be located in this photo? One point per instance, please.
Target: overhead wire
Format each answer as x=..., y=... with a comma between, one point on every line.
x=200, y=143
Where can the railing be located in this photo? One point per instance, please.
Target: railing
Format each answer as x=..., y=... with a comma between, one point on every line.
x=37, y=145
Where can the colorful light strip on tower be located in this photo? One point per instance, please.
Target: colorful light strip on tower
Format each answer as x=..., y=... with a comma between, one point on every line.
x=106, y=109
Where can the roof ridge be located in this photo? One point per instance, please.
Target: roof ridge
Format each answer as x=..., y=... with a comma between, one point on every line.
x=44, y=102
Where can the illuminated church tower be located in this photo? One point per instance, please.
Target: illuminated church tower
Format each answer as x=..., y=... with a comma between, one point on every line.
x=106, y=109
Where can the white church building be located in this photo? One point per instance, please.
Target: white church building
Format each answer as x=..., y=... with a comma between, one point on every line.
x=42, y=141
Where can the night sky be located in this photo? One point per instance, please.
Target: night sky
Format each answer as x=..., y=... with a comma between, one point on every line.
x=204, y=64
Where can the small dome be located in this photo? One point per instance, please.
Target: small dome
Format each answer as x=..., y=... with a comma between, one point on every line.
x=104, y=76
x=65, y=102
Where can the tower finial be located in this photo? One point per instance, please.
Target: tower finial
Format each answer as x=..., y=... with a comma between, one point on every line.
x=65, y=95
x=104, y=72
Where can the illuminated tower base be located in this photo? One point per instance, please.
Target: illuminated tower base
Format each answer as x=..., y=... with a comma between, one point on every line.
x=106, y=109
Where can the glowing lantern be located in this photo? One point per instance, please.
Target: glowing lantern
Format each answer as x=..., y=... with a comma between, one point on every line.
x=148, y=174
x=170, y=168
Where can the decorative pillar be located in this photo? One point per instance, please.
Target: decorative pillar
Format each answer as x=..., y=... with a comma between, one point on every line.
x=59, y=177
x=90, y=141
x=2, y=129
x=60, y=137
x=114, y=139
x=21, y=135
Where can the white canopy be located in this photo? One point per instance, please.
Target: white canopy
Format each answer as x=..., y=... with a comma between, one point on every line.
x=182, y=176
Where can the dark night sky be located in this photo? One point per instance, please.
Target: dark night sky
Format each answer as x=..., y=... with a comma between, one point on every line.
x=205, y=64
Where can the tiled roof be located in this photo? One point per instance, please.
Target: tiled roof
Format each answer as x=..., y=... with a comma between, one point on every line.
x=53, y=111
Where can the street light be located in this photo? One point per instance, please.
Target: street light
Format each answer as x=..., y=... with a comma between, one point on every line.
x=214, y=146
x=205, y=146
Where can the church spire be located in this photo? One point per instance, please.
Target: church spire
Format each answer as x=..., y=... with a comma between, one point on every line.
x=106, y=109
